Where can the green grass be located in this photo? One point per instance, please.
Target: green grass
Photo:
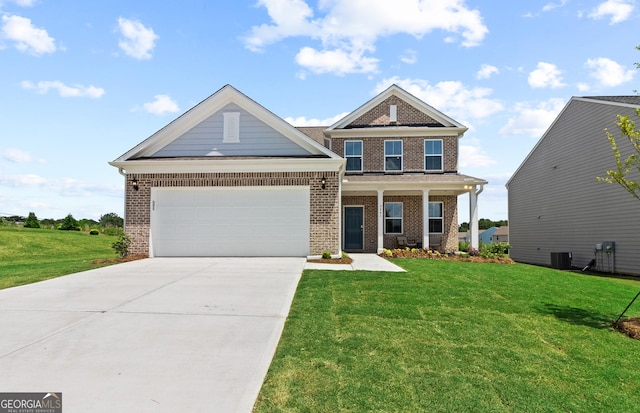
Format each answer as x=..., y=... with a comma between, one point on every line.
x=29, y=255
x=455, y=337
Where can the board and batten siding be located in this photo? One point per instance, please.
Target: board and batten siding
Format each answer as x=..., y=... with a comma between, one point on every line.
x=255, y=139
x=557, y=205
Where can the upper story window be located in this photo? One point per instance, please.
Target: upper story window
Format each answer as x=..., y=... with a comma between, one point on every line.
x=433, y=155
x=353, y=153
x=393, y=155
x=436, y=218
x=393, y=217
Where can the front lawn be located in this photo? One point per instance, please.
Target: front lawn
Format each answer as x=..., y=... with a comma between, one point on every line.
x=29, y=255
x=454, y=337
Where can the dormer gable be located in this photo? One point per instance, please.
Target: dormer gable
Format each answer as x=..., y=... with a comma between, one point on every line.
x=396, y=111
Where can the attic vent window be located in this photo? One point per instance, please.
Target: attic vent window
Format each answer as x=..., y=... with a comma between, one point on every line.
x=231, y=132
x=393, y=114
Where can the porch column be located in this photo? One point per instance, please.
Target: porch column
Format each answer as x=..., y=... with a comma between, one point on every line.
x=425, y=219
x=380, y=221
x=474, y=238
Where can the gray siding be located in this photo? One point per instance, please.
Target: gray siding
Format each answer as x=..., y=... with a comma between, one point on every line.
x=256, y=139
x=556, y=204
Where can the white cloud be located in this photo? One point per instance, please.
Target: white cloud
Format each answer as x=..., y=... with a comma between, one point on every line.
x=302, y=121
x=486, y=71
x=336, y=61
x=162, y=105
x=546, y=75
x=409, y=57
x=17, y=155
x=618, y=10
x=137, y=41
x=347, y=28
x=26, y=36
x=450, y=97
x=608, y=72
x=64, y=91
x=551, y=6
x=21, y=3
x=533, y=121
x=61, y=186
x=474, y=156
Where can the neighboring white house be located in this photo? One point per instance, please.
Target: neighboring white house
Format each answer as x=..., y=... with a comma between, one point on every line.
x=556, y=204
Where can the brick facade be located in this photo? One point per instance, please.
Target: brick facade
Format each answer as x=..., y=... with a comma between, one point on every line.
x=412, y=220
x=407, y=115
x=412, y=148
x=324, y=203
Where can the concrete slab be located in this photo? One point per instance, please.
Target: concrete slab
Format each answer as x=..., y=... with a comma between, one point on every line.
x=362, y=262
x=157, y=335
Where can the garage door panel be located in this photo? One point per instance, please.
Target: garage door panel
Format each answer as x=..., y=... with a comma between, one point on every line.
x=239, y=221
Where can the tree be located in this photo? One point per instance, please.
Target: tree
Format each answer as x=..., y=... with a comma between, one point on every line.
x=31, y=221
x=625, y=166
x=111, y=220
x=69, y=224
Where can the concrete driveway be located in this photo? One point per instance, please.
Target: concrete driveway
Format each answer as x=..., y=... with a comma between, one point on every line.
x=156, y=335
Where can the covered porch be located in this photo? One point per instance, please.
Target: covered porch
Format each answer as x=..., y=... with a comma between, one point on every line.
x=377, y=210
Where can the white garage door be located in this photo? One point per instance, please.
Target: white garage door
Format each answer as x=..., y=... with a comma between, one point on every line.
x=230, y=221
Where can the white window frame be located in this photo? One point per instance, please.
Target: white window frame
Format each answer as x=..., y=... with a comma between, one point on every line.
x=441, y=218
x=441, y=155
x=355, y=156
x=401, y=218
x=394, y=155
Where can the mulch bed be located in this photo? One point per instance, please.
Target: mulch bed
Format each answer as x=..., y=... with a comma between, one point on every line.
x=343, y=260
x=120, y=259
x=630, y=327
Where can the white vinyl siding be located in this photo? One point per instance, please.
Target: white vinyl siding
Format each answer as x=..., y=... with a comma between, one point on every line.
x=353, y=154
x=433, y=155
x=393, y=218
x=393, y=156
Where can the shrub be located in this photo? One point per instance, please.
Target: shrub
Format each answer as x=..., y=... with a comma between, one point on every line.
x=121, y=246
x=113, y=231
x=94, y=232
x=326, y=255
x=463, y=246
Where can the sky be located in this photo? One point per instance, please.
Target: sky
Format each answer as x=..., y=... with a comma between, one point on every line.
x=81, y=83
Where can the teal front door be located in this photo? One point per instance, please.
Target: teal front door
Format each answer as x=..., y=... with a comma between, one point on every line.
x=353, y=228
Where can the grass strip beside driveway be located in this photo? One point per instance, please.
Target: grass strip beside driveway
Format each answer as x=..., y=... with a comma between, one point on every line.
x=451, y=336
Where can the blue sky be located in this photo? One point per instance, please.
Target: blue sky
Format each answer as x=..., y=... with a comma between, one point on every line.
x=83, y=82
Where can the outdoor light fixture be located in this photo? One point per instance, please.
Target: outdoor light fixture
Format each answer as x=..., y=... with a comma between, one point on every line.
x=324, y=182
x=134, y=182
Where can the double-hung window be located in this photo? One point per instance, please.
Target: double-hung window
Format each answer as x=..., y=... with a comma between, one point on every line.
x=436, y=218
x=433, y=155
x=353, y=154
x=393, y=155
x=393, y=217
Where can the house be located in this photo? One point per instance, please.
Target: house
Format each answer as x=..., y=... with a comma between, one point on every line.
x=556, y=204
x=230, y=178
x=500, y=235
x=486, y=235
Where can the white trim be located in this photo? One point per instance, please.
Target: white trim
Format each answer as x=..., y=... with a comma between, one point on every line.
x=352, y=156
x=395, y=131
x=401, y=218
x=230, y=165
x=424, y=146
x=440, y=217
x=401, y=155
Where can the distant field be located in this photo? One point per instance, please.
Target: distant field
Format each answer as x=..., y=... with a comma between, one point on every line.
x=29, y=255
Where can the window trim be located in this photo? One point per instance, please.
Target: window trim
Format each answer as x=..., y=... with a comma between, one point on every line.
x=441, y=218
x=401, y=218
x=361, y=156
x=400, y=156
x=441, y=155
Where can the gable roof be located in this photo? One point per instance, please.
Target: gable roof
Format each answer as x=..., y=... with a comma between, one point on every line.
x=621, y=101
x=225, y=96
x=441, y=123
